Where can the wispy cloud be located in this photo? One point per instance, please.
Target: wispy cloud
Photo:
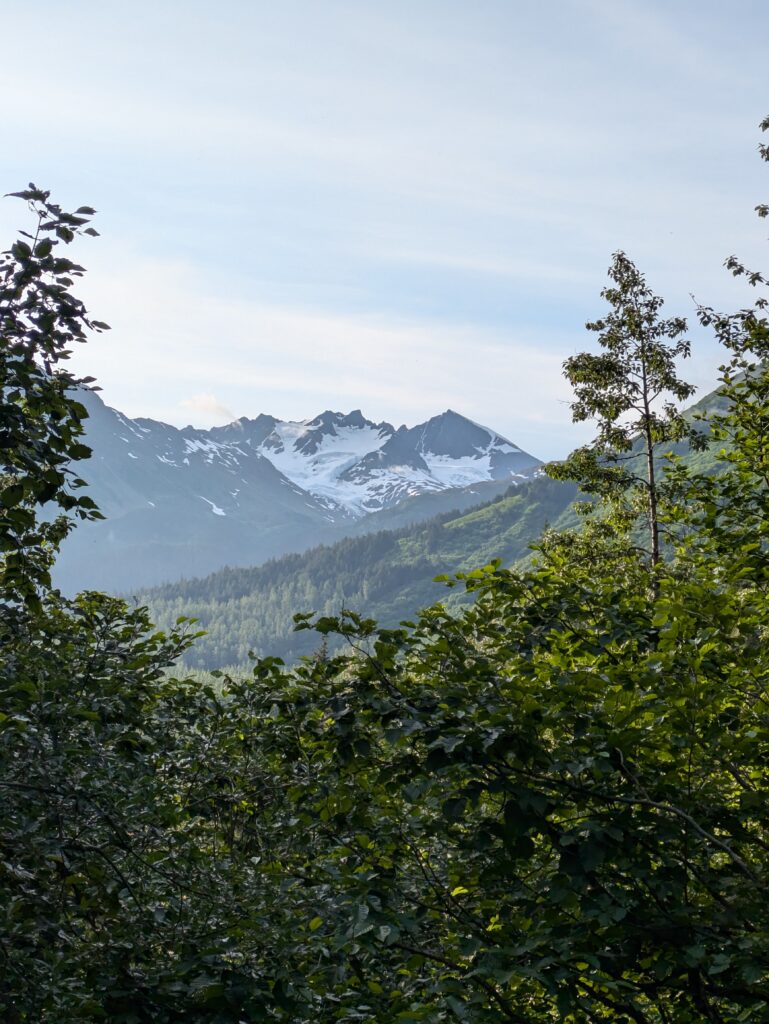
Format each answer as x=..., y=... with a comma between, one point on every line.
x=208, y=408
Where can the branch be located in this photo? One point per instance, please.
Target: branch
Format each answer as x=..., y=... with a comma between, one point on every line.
x=487, y=987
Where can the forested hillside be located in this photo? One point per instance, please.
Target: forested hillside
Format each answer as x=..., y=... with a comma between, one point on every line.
x=387, y=575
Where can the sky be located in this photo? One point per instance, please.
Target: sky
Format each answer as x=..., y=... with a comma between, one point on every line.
x=399, y=206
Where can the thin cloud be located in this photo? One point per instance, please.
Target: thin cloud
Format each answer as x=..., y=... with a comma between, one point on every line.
x=208, y=407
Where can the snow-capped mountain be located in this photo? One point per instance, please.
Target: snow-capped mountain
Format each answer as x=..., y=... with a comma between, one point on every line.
x=314, y=454
x=448, y=451
x=143, y=462
x=365, y=467
x=186, y=502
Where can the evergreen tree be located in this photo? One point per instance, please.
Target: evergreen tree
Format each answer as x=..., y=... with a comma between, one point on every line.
x=621, y=388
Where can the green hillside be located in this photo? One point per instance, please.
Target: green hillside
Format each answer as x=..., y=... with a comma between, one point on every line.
x=386, y=575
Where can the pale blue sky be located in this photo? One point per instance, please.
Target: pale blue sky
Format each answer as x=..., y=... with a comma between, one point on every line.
x=401, y=206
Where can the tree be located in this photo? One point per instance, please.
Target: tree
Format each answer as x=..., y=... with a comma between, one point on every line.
x=40, y=420
x=621, y=388
x=553, y=806
x=130, y=885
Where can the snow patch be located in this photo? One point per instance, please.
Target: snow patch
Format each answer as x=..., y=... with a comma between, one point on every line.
x=214, y=507
x=211, y=448
x=471, y=469
x=319, y=471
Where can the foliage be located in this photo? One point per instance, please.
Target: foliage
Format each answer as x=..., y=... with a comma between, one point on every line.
x=121, y=897
x=552, y=807
x=40, y=422
x=544, y=812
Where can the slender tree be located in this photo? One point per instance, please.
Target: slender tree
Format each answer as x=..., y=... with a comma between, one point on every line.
x=627, y=388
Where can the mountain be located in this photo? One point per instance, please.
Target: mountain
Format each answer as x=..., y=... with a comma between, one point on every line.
x=447, y=452
x=179, y=502
x=185, y=502
x=388, y=575
x=366, y=467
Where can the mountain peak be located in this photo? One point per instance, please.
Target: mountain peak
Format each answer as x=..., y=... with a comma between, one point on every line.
x=340, y=458
x=325, y=418
x=331, y=418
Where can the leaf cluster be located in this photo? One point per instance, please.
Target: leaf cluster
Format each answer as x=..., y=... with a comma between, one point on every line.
x=40, y=422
